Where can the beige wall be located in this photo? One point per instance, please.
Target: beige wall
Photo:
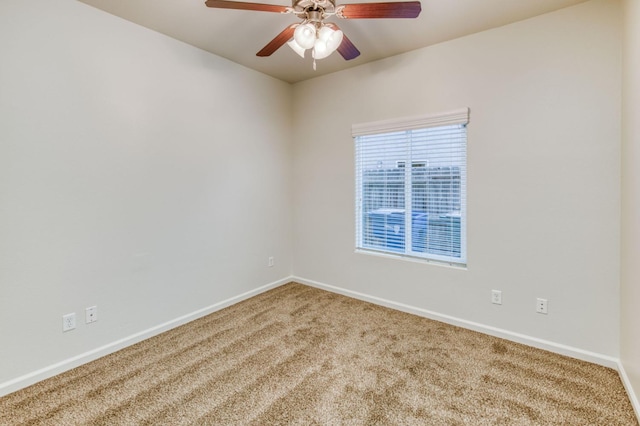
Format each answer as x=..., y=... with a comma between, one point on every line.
x=630, y=289
x=543, y=175
x=137, y=173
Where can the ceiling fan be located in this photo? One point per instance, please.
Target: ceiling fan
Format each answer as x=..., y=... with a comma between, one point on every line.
x=313, y=33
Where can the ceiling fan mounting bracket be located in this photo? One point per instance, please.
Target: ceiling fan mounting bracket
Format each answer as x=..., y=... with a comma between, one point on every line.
x=302, y=7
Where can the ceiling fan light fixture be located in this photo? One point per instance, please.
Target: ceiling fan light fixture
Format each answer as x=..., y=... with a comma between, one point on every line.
x=305, y=35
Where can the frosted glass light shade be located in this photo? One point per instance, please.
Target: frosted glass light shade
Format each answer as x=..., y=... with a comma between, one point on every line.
x=296, y=47
x=320, y=50
x=332, y=37
x=335, y=40
x=305, y=35
x=325, y=32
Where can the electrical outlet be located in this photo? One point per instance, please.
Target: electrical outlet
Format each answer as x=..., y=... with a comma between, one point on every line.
x=271, y=261
x=541, y=306
x=496, y=297
x=69, y=322
x=91, y=314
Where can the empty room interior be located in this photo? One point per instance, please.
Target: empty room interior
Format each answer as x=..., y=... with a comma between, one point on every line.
x=148, y=185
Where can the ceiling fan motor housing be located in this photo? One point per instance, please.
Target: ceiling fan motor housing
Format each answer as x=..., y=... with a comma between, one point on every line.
x=306, y=6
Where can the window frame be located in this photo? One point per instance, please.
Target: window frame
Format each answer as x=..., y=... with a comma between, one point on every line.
x=456, y=117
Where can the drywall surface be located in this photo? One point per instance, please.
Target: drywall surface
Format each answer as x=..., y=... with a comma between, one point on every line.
x=543, y=175
x=137, y=173
x=630, y=287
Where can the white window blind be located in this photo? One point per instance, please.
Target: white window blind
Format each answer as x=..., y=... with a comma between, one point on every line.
x=411, y=186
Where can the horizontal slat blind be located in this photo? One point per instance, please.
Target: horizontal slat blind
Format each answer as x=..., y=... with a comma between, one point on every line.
x=411, y=191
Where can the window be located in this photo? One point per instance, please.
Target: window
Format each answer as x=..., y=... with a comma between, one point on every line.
x=430, y=195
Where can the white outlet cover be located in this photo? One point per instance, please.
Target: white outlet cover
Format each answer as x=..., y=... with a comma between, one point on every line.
x=542, y=306
x=68, y=322
x=496, y=297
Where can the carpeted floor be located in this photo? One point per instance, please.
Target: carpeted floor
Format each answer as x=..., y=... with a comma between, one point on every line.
x=299, y=355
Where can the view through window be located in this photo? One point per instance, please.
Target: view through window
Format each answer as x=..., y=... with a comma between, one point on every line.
x=429, y=196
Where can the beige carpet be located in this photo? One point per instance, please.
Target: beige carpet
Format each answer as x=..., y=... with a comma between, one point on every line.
x=299, y=355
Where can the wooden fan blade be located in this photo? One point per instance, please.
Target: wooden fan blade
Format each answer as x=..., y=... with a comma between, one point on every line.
x=278, y=41
x=261, y=7
x=346, y=49
x=402, y=9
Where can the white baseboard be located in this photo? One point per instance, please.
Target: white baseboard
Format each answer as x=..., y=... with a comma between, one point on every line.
x=83, y=358
x=578, y=353
x=629, y=388
x=60, y=367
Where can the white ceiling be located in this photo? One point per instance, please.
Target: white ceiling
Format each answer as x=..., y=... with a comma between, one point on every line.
x=237, y=34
